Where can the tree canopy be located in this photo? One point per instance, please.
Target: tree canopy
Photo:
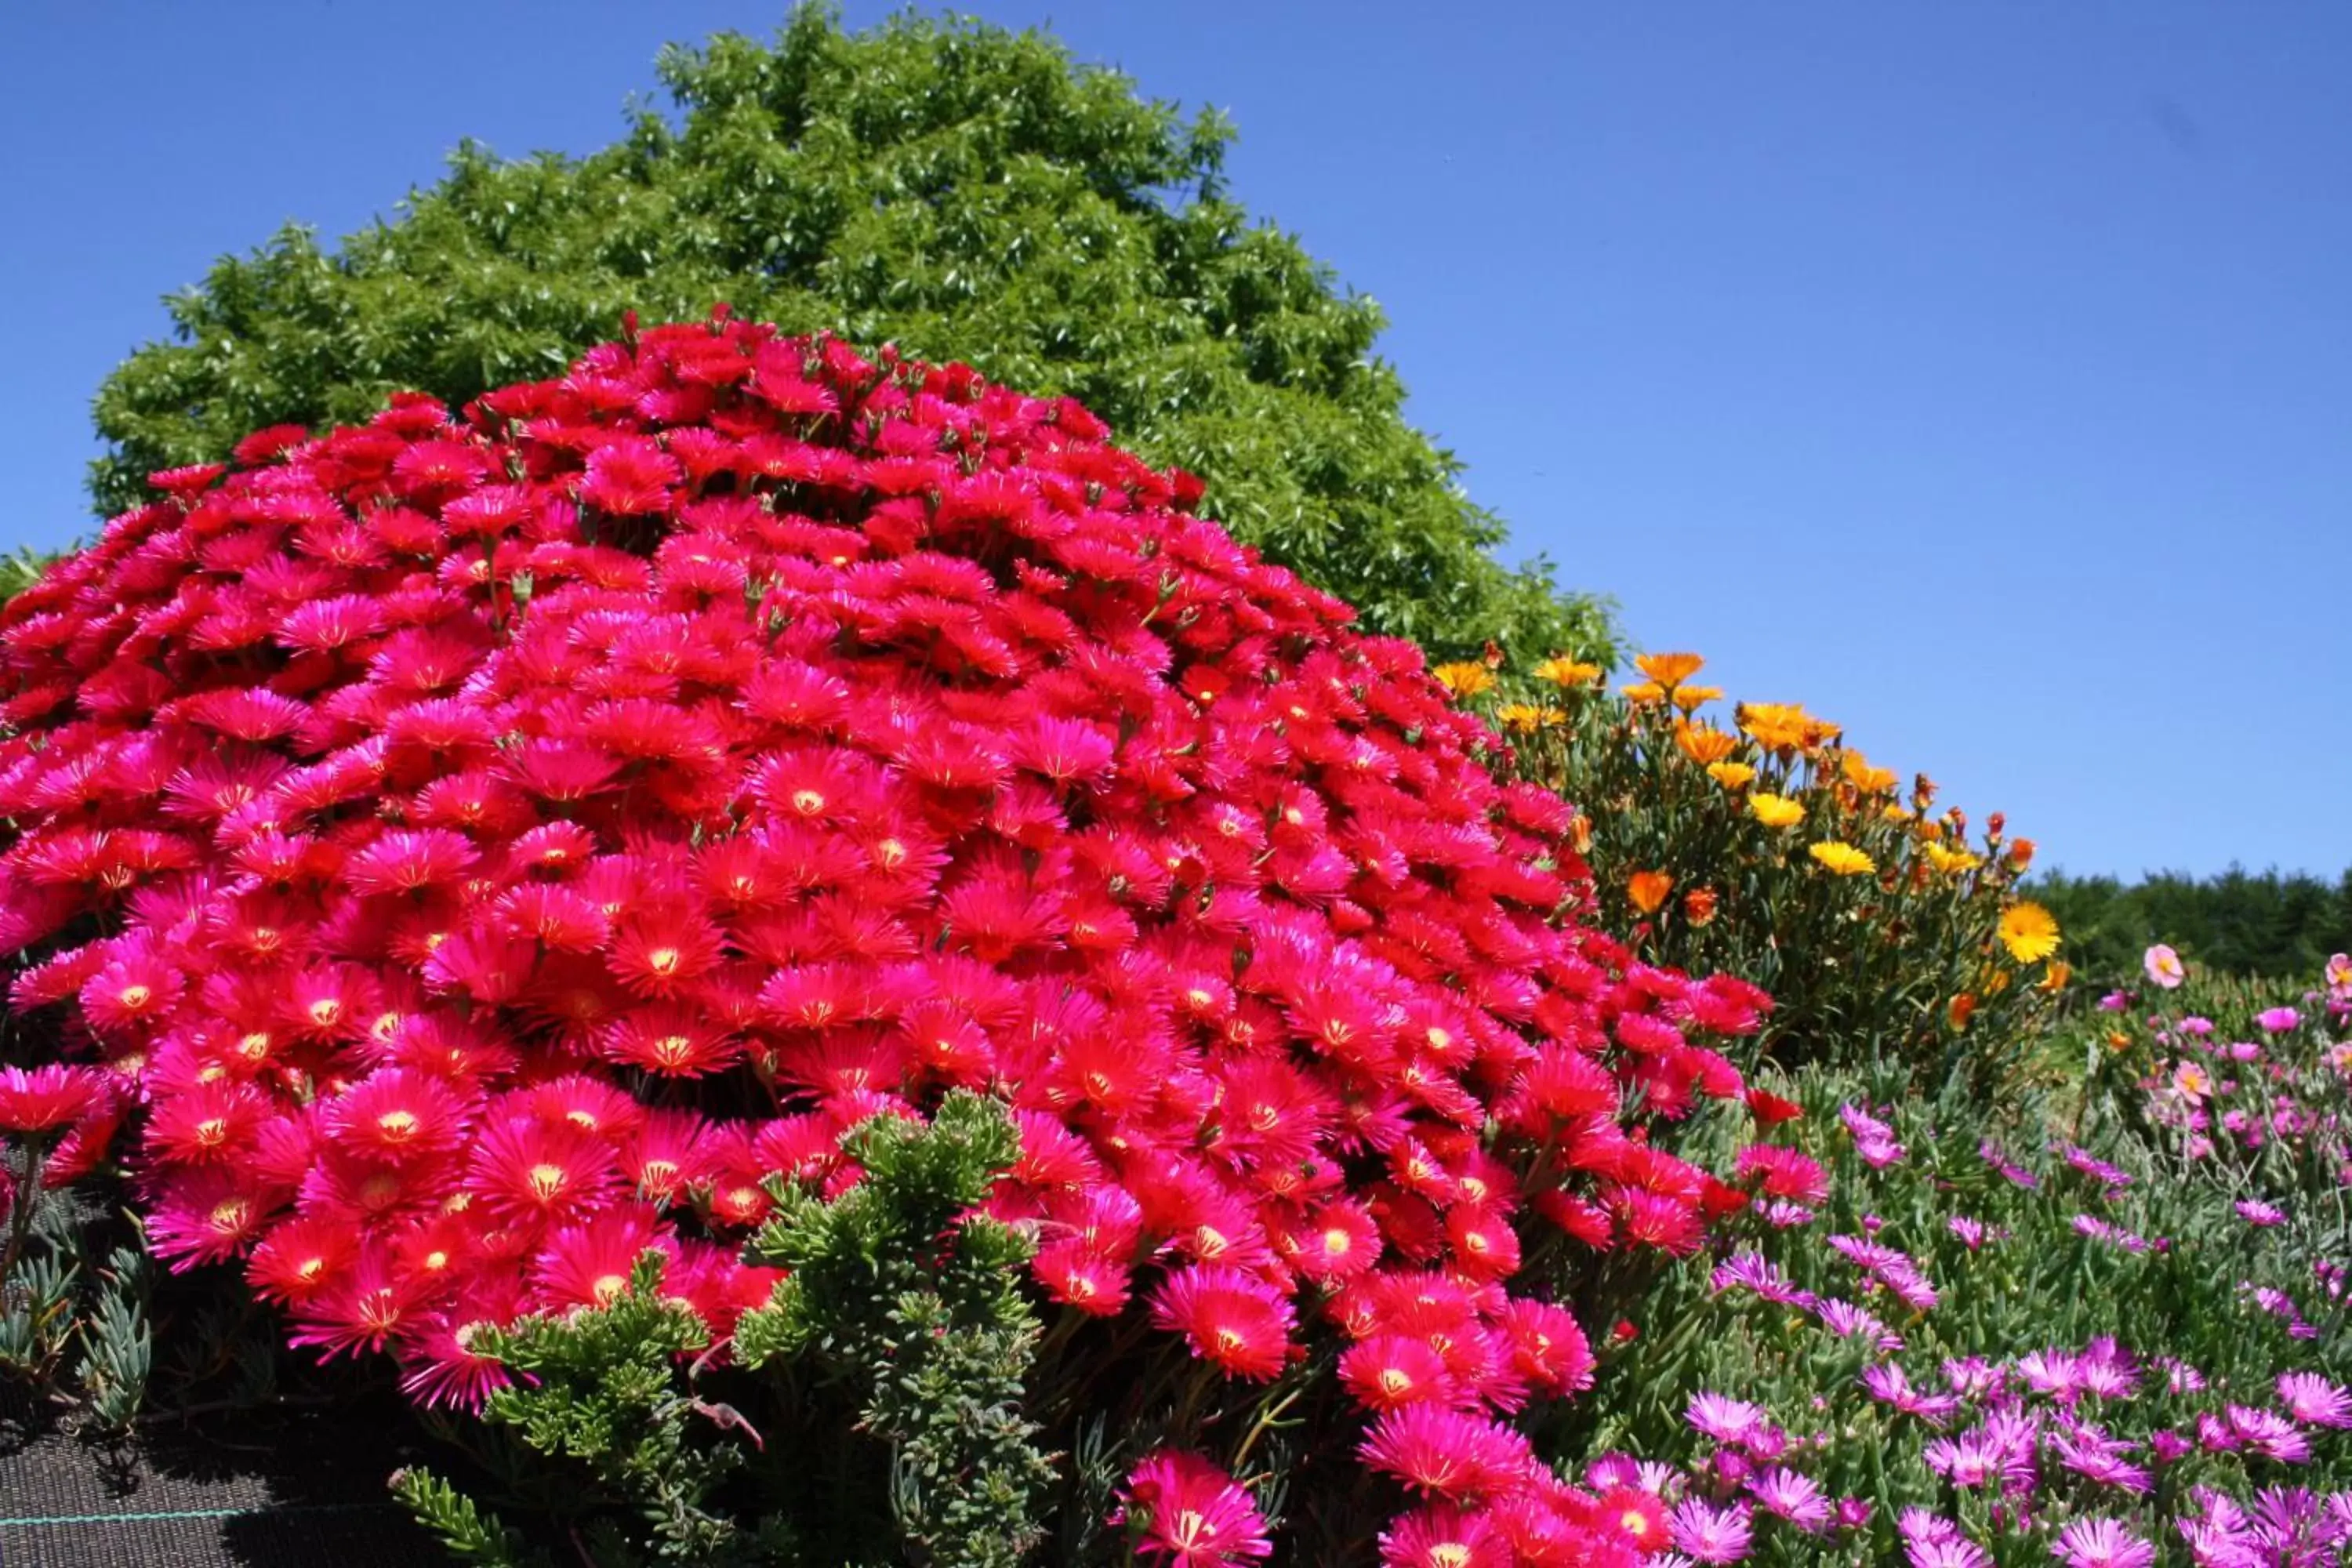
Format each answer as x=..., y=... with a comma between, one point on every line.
x=2238, y=922
x=962, y=191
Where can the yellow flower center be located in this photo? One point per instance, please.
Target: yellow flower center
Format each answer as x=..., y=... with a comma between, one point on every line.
x=547, y=1180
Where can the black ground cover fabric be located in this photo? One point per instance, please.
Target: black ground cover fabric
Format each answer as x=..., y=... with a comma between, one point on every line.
x=271, y=1488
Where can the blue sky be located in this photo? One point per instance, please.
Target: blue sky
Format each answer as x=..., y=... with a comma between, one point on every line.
x=1978, y=375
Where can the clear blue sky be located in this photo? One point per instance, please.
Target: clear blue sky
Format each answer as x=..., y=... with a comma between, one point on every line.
x=1980, y=375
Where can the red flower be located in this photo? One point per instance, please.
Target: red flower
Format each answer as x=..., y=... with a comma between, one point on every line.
x=1237, y=1322
x=1191, y=1514
x=46, y=1098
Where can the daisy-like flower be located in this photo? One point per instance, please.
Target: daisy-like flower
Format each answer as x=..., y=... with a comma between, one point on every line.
x=1724, y=1418
x=2029, y=931
x=1445, y=1537
x=2255, y=1212
x=1890, y=1385
x=1448, y=1453
x=1930, y=1541
x=1784, y=1172
x=1840, y=857
x=2268, y=1433
x=1191, y=1514
x=2313, y=1400
x=1796, y=1498
x=2163, y=967
x=43, y=1099
x=1233, y=1319
x=1705, y=1533
x=2102, y=1543
x=1753, y=1271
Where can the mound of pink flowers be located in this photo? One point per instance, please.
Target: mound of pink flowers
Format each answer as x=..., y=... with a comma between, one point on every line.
x=462, y=852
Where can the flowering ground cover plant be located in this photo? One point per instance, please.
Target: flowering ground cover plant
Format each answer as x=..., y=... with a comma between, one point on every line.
x=501, y=877
x=1768, y=847
x=1942, y=1335
x=2236, y=1085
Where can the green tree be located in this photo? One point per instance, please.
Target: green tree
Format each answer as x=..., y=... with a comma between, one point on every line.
x=968, y=193
x=2272, y=926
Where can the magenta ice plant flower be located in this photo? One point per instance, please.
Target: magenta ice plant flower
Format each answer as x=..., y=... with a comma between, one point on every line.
x=2102, y=1543
x=2278, y=1020
x=1705, y=1533
x=2314, y=1401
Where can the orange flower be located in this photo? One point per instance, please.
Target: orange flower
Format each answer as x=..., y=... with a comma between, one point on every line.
x=1580, y=834
x=1648, y=889
x=1704, y=743
x=1731, y=775
x=2020, y=853
x=1865, y=778
x=1964, y=1006
x=2055, y=980
x=1777, y=726
x=1690, y=698
x=1641, y=693
x=1698, y=906
x=1668, y=669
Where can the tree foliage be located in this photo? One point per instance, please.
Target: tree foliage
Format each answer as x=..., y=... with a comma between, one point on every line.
x=968, y=193
x=2238, y=922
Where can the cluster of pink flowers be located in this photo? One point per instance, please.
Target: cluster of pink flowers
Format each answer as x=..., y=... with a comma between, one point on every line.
x=480, y=847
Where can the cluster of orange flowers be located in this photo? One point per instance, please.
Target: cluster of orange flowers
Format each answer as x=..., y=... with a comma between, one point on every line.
x=1778, y=765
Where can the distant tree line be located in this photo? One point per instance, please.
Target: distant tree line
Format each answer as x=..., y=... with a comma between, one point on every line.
x=2239, y=922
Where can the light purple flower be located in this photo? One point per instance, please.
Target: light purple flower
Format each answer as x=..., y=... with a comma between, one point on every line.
x=1845, y=1320
x=1724, y=1418
x=1795, y=1498
x=2090, y=1453
x=2255, y=1212
x=2314, y=1401
x=2268, y=1433
x=1973, y=1376
x=1931, y=1541
x=1754, y=1271
x=1707, y=1534
x=2102, y=1543
x=1890, y=1385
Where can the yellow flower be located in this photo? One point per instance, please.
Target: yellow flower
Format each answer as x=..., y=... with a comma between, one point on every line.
x=1522, y=718
x=1641, y=693
x=1952, y=861
x=1842, y=858
x=1648, y=889
x=1775, y=810
x=1704, y=743
x=1568, y=672
x=1731, y=775
x=1893, y=813
x=1668, y=669
x=2029, y=931
x=1691, y=698
x=1464, y=679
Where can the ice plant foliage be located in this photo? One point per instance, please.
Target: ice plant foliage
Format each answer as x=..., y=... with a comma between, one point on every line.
x=483, y=847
